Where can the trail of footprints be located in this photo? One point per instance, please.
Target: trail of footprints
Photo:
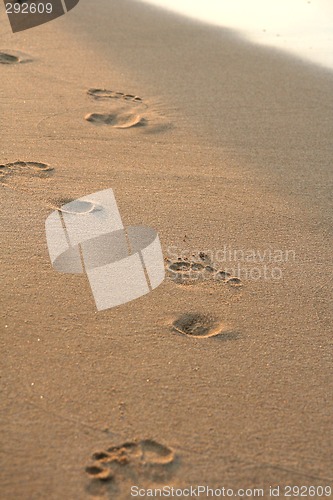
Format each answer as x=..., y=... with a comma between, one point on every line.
x=198, y=269
x=134, y=462
x=145, y=460
x=126, y=111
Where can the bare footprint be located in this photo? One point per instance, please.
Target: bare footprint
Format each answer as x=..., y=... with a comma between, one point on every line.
x=116, y=119
x=197, y=325
x=198, y=268
x=23, y=168
x=13, y=57
x=104, y=94
x=124, y=111
x=105, y=112
x=132, y=462
x=8, y=58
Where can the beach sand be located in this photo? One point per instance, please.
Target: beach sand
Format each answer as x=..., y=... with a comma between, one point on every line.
x=227, y=145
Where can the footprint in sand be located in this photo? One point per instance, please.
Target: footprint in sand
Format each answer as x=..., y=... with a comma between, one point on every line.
x=134, y=462
x=198, y=269
x=8, y=58
x=13, y=57
x=124, y=111
x=200, y=326
x=104, y=94
x=108, y=112
x=116, y=120
x=23, y=168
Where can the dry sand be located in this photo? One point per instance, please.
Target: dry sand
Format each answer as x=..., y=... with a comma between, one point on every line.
x=232, y=145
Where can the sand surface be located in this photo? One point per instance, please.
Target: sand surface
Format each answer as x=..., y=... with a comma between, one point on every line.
x=227, y=144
